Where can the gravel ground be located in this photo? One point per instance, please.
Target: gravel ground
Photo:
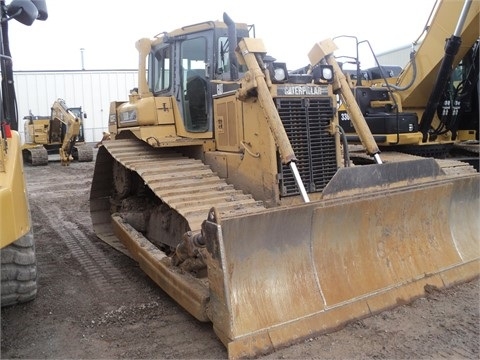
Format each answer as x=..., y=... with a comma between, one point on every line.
x=96, y=303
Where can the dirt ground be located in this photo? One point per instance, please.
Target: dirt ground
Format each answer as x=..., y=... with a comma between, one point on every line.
x=95, y=303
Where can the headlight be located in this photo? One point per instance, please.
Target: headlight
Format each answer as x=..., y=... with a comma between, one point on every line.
x=128, y=116
x=323, y=74
x=279, y=74
x=327, y=73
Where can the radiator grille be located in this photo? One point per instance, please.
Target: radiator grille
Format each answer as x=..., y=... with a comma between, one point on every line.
x=307, y=123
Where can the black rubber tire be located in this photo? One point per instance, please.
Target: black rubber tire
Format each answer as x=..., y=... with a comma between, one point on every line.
x=19, y=271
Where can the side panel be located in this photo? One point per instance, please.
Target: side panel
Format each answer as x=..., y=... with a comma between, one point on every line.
x=15, y=213
x=228, y=124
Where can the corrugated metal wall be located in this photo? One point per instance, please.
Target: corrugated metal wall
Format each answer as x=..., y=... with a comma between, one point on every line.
x=399, y=56
x=93, y=90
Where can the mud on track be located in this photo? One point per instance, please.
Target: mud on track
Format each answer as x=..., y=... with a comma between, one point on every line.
x=95, y=303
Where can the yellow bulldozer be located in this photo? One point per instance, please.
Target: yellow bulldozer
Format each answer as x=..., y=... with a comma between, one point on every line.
x=60, y=133
x=17, y=245
x=227, y=179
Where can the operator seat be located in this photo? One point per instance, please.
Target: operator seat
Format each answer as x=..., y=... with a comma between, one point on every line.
x=197, y=97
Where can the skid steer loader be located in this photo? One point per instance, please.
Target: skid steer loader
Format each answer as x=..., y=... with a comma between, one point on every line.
x=17, y=244
x=227, y=180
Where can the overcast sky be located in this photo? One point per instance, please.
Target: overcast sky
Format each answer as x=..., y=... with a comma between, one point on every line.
x=107, y=29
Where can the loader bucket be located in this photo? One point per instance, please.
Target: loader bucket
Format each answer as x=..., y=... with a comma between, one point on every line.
x=290, y=273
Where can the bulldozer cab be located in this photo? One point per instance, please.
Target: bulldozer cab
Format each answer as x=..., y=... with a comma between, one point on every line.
x=203, y=57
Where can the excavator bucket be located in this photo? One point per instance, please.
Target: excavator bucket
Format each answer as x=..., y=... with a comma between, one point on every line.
x=288, y=273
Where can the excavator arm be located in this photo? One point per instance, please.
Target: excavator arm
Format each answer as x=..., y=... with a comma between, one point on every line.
x=424, y=67
x=61, y=112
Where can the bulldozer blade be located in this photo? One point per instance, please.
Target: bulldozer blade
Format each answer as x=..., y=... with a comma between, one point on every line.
x=286, y=274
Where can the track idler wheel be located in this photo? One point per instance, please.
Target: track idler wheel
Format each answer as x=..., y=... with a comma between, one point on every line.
x=188, y=253
x=122, y=180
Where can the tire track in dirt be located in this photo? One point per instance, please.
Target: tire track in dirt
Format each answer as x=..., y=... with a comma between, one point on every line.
x=97, y=266
x=457, y=342
x=52, y=204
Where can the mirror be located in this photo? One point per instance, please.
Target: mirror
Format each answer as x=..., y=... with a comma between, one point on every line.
x=23, y=11
x=41, y=6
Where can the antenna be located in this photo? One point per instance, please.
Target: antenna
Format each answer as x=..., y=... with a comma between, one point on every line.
x=81, y=55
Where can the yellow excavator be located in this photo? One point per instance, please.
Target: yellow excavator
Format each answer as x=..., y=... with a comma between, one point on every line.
x=430, y=107
x=17, y=245
x=61, y=133
x=227, y=178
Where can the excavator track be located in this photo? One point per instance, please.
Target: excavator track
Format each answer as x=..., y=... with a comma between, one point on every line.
x=449, y=166
x=186, y=185
x=83, y=153
x=472, y=146
x=36, y=156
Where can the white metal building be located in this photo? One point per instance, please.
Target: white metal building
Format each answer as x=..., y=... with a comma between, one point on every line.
x=93, y=90
x=399, y=56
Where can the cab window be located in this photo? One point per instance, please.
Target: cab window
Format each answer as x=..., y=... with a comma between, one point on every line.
x=160, y=70
x=194, y=83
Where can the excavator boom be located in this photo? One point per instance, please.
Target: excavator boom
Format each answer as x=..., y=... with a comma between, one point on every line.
x=431, y=51
x=430, y=107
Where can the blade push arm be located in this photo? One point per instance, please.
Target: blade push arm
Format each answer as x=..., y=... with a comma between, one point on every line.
x=249, y=49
